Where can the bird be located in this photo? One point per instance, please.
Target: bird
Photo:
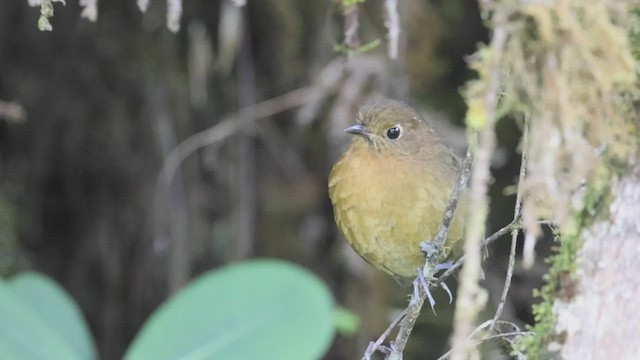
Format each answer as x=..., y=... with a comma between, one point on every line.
x=390, y=189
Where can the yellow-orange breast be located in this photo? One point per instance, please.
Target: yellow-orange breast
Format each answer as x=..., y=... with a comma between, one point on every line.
x=385, y=205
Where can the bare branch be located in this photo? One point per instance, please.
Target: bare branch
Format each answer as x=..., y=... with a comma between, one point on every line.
x=498, y=234
x=351, y=27
x=228, y=127
x=393, y=24
x=373, y=346
x=413, y=311
x=418, y=302
x=489, y=324
x=447, y=217
x=516, y=219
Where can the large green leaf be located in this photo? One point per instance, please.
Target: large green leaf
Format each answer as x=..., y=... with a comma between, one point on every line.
x=264, y=309
x=39, y=320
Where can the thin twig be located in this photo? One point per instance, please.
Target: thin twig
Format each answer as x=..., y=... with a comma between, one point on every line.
x=491, y=337
x=484, y=325
x=374, y=346
x=503, y=335
x=393, y=24
x=445, y=275
x=432, y=258
x=221, y=131
x=410, y=314
x=475, y=331
x=352, y=27
x=487, y=241
x=228, y=127
x=516, y=218
x=447, y=217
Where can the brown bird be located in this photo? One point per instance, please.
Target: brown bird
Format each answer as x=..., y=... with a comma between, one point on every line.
x=391, y=187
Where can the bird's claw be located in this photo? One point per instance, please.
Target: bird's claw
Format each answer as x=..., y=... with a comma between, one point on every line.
x=446, y=288
x=421, y=281
x=443, y=266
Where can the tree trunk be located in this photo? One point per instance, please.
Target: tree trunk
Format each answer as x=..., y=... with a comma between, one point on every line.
x=601, y=319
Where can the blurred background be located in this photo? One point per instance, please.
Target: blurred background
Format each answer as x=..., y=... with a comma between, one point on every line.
x=91, y=111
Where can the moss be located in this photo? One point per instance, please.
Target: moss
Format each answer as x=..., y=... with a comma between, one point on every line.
x=571, y=66
x=562, y=267
x=634, y=31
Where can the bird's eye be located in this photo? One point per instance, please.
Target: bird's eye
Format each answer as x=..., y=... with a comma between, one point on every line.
x=393, y=133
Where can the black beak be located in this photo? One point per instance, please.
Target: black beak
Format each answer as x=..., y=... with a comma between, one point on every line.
x=358, y=129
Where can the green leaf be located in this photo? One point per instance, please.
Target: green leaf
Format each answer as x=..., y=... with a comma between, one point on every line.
x=264, y=309
x=39, y=320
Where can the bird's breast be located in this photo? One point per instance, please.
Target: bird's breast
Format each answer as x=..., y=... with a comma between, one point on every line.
x=386, y=205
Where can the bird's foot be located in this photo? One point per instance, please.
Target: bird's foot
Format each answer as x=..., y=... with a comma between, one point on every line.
x=442, y=266
x=422, y=281
x=428, y=249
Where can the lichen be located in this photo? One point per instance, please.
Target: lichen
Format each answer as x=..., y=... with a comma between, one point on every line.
x=569, y=66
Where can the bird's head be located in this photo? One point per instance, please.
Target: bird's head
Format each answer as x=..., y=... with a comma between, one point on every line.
x=391, y=126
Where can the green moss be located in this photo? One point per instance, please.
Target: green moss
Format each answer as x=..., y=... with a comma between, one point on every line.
x=634, y=32
x=535, y=346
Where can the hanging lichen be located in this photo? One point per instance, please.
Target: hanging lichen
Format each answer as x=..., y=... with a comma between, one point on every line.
x=568, y=65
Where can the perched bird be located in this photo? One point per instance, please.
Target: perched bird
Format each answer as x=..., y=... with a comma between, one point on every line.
x=390, y=189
